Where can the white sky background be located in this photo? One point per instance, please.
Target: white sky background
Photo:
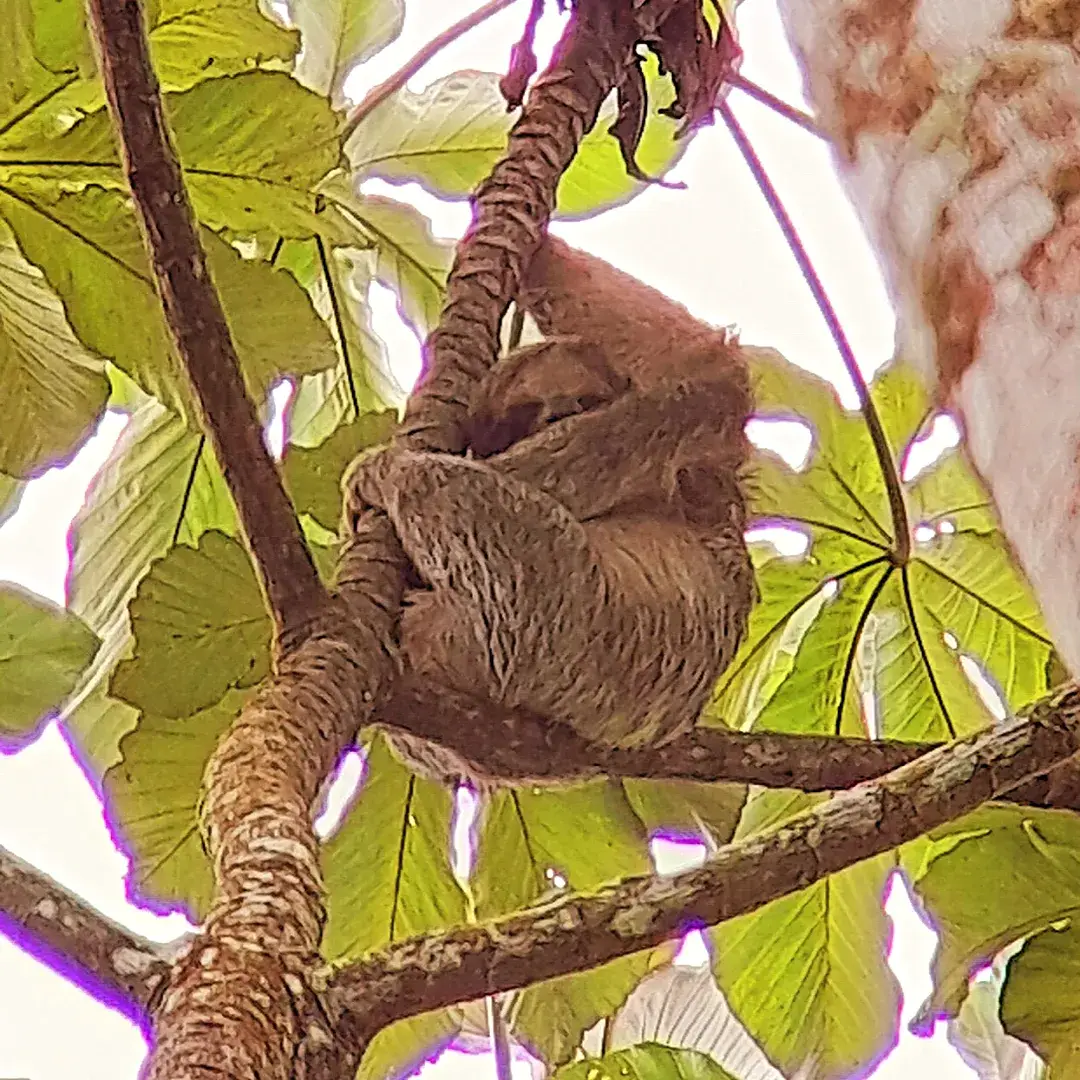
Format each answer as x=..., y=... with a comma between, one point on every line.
x=715, y=248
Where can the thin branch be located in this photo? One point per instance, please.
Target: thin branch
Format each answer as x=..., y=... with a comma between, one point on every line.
x=378, y=94
x=77, y=941
x=778, y=105
x=579, y=933
x=884, y=454
x=518, y=747
x=195, y=316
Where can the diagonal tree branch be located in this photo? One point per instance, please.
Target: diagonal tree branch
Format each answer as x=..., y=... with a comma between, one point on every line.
x=196, y=318
x=516, y=746
x=580, y=932
x=77, y=941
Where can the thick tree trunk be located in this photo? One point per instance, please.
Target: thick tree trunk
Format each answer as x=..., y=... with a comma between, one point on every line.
x=957, y=124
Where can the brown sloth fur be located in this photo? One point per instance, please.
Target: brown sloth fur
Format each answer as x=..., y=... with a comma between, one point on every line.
x=587, y=562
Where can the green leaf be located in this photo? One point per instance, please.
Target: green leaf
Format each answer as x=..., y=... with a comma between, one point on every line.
x=447, y=137
x=159, y=486
x=706, y=811
x=190, y=41
x=54, y=389
x=152, y=800
x=1040, y=1003
x=807, y=974
x=904, y=648
x=1032, y=859
x=338, y=35
x=43, y=649
x=646, y=1062
x=530, y=839
x=252, y=146
x=682, y=1008
x=387, y=869
x=96, y=727
x=313, y=476
x=597, y=178
x=399, y=1049
x=90, y=249
x=409, y=259
x=201, y=628
x=194, y=40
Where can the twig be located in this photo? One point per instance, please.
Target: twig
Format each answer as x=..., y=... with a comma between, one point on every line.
x=579, y=933
x=378, y=94
x=515, y=746
x=902, y=551
x=78, y=942
x=196, y=319
x=778, y=105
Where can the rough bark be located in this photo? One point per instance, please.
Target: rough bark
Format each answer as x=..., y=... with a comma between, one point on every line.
x=956, y=123
x=242, y=992
x=68, y=934
x=580, y=932
x=516, y=746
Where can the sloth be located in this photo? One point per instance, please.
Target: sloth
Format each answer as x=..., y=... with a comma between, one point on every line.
x=586, y=560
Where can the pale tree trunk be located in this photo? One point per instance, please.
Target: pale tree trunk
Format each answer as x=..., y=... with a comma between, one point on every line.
x=956, y=126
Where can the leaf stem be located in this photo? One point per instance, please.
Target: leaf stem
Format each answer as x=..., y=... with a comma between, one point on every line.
x=902, y=551
x=378, y=94
x=778, y=105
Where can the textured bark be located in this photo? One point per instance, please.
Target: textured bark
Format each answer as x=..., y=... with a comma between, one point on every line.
x=957, y=124
x=79, y=942
x=516, y=746
x=242, y=992
x=580, y=932
x=197, y=320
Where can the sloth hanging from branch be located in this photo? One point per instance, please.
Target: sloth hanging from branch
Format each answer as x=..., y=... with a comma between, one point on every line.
x=585, y=563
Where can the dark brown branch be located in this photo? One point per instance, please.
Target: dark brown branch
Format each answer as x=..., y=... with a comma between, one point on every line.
x=579, y=933
x=516, y=746
x=195, y=316
x=77, y=941
x=511, y=210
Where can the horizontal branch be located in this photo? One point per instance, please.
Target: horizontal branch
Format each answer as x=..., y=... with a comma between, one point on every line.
x=580, y=932
x=77, y=941
x=517, y=746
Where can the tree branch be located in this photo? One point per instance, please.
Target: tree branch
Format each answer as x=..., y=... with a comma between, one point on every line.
x=77, y=941
x=518, y=747
x=195, y=316
x=580, y=932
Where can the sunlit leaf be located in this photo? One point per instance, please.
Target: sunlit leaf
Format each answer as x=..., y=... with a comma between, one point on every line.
x=160, y=486
x=397, y=1050
x=869, y=634
x=54, y=390
x=807, y=974
x=313, y=476
x=252, y=147
x=152, y=800
x=338, y=35
x=683, y=1008
x=994, y=877
x=200, y=626
x=387, y=868
x=409, y=259
x=91, y=251
x=648, y=1062
x=532, y=844
x=43, y=649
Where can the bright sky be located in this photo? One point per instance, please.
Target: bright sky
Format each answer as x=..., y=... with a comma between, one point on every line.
x=714, y=247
